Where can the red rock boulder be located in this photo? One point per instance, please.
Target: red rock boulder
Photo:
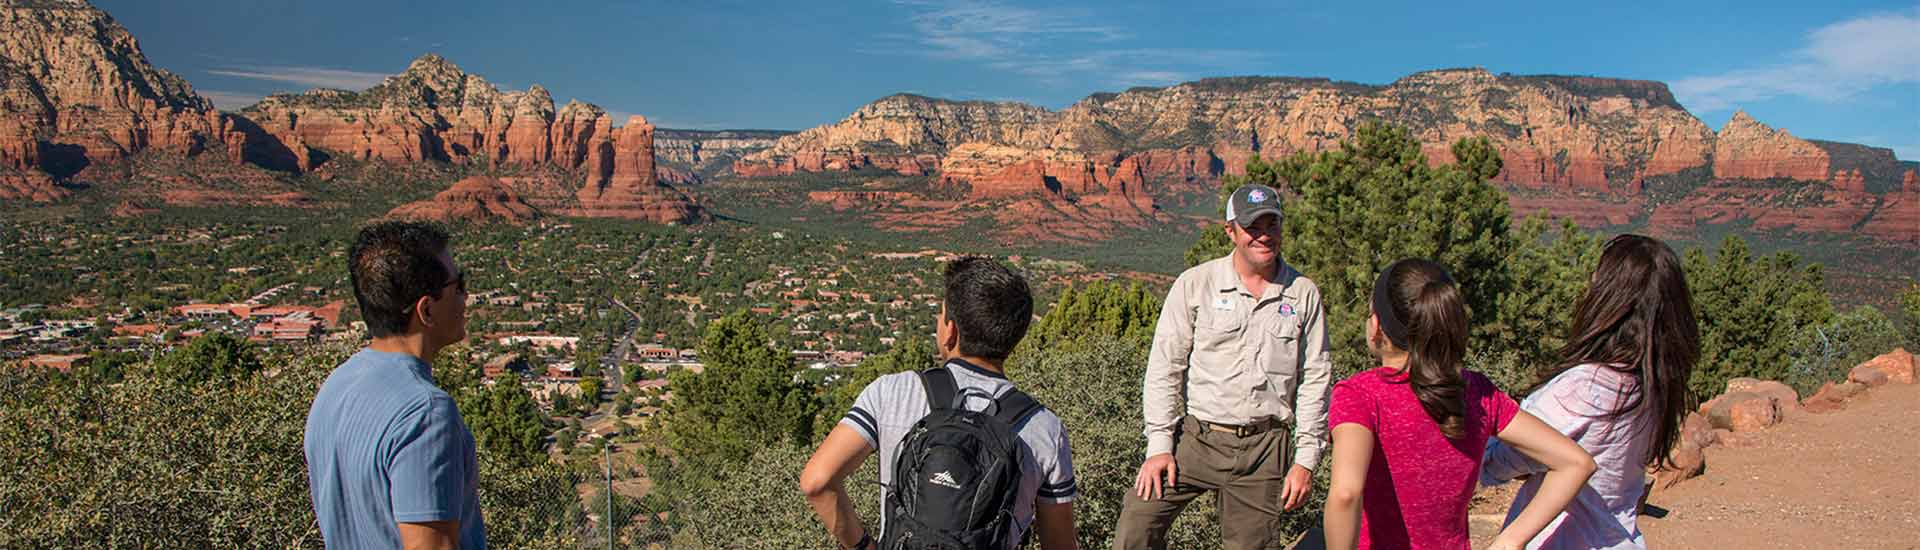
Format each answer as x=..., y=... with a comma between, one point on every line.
x=1697, y=431
x=1744, y=412
x=1866, y=375
x=1825, y=400
x=1898, y=365
x=1687, y=461
x=1782, y=394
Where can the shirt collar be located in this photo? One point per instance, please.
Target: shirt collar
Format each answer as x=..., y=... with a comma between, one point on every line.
x=1226, y=280
x=419, y=367
x=976, y=369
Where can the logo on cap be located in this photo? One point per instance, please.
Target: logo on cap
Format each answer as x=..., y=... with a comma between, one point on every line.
x=1257, y=196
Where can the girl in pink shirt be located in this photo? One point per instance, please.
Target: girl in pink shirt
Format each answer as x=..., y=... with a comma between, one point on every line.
x=1408, y=436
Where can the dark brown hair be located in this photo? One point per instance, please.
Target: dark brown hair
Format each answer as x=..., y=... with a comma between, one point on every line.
x=391, y=265
x=989, y=304
x=1423, y=301
x=1637, y=318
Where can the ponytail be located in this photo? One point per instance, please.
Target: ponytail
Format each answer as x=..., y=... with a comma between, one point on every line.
x=1421, y=310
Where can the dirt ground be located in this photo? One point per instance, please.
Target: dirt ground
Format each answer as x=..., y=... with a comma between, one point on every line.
x=1845, y=479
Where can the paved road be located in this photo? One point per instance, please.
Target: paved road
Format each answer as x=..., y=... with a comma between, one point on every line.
x=611, y=365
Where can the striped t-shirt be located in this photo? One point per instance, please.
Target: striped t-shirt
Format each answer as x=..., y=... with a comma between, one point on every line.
x=892, y=404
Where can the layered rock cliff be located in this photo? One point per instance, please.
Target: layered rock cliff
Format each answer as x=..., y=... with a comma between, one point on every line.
x=78, y=93
x=77, y=90
x=693, y=148
x=1553, y=131
x=905, y=133
x=434, y=111
x=1594, y=141
x=1747, y=149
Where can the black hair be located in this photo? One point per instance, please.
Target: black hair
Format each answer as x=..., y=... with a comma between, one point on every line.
x=1638, y=314
x=989, y=305
x=1425, y=310
x=391, y=265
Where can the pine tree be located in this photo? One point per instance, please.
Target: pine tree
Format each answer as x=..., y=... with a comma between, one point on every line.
x=504, y=420
x=1376, y=199
x=1749, y=312
x=746, y=398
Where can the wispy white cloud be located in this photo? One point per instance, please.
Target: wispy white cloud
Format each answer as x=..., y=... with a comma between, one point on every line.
x=973, y=29
x=310, y=77
x=1050, y=45
x=1837, y=62
x=229, y=101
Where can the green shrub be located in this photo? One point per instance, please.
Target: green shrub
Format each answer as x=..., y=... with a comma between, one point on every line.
x=1827, y=352
x=757, y=504
x=1095, y=388
x=154, y=462
x=1910, y=306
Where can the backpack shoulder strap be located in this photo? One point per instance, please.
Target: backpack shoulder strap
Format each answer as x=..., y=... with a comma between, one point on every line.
x=940, y=387
x=1015, y=407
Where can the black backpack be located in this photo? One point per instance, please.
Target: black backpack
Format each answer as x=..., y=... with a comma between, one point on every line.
x=957, y=473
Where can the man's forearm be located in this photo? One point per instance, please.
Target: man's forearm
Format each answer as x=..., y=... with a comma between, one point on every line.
x=1159, y=403
x=835, y=509
x=1312, y=396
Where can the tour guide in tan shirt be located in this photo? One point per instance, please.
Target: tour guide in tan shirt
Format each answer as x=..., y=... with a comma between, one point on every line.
x=1239, y=359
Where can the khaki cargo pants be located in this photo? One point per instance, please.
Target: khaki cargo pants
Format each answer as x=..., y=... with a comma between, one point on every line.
x=1249, y=473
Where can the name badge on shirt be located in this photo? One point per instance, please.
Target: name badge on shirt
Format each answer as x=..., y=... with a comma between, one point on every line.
x=1223, y=303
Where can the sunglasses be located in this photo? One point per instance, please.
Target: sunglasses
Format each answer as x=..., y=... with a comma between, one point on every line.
x=459, y=284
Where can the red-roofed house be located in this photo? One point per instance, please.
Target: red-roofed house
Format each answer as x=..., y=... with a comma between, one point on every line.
x=138, y=331
x=330, y=313
x=651, y=353
x=203, y=311
x=286, y=330
x=271, y=312
x=502, y=364
x=65, y=363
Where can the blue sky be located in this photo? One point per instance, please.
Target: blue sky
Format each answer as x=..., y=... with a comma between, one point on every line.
x=1834, y=69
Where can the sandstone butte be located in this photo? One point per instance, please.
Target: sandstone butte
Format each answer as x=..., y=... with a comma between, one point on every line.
x=476, y=199
x=1579, y=146
x=75, y=89
x=78, y=93
x=433, y=111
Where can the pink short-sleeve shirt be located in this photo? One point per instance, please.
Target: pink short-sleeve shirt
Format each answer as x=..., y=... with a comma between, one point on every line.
x=1419, y=482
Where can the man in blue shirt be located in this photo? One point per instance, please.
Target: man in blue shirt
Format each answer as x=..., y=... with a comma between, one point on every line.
x=390, y=463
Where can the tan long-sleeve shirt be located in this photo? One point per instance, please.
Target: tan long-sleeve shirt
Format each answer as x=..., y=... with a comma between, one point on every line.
x=1226, y=356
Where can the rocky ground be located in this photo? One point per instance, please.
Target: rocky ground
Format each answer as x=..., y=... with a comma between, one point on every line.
x=1845, y=479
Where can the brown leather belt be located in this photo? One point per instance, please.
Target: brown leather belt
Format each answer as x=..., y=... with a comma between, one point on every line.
x=1239, y=430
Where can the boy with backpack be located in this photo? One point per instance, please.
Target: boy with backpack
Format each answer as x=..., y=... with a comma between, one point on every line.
x=966, y=460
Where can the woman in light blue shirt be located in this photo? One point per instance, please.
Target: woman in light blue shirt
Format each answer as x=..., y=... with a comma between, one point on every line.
x=1619, y=391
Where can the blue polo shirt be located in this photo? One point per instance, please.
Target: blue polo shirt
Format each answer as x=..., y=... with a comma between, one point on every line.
x=384, y=446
